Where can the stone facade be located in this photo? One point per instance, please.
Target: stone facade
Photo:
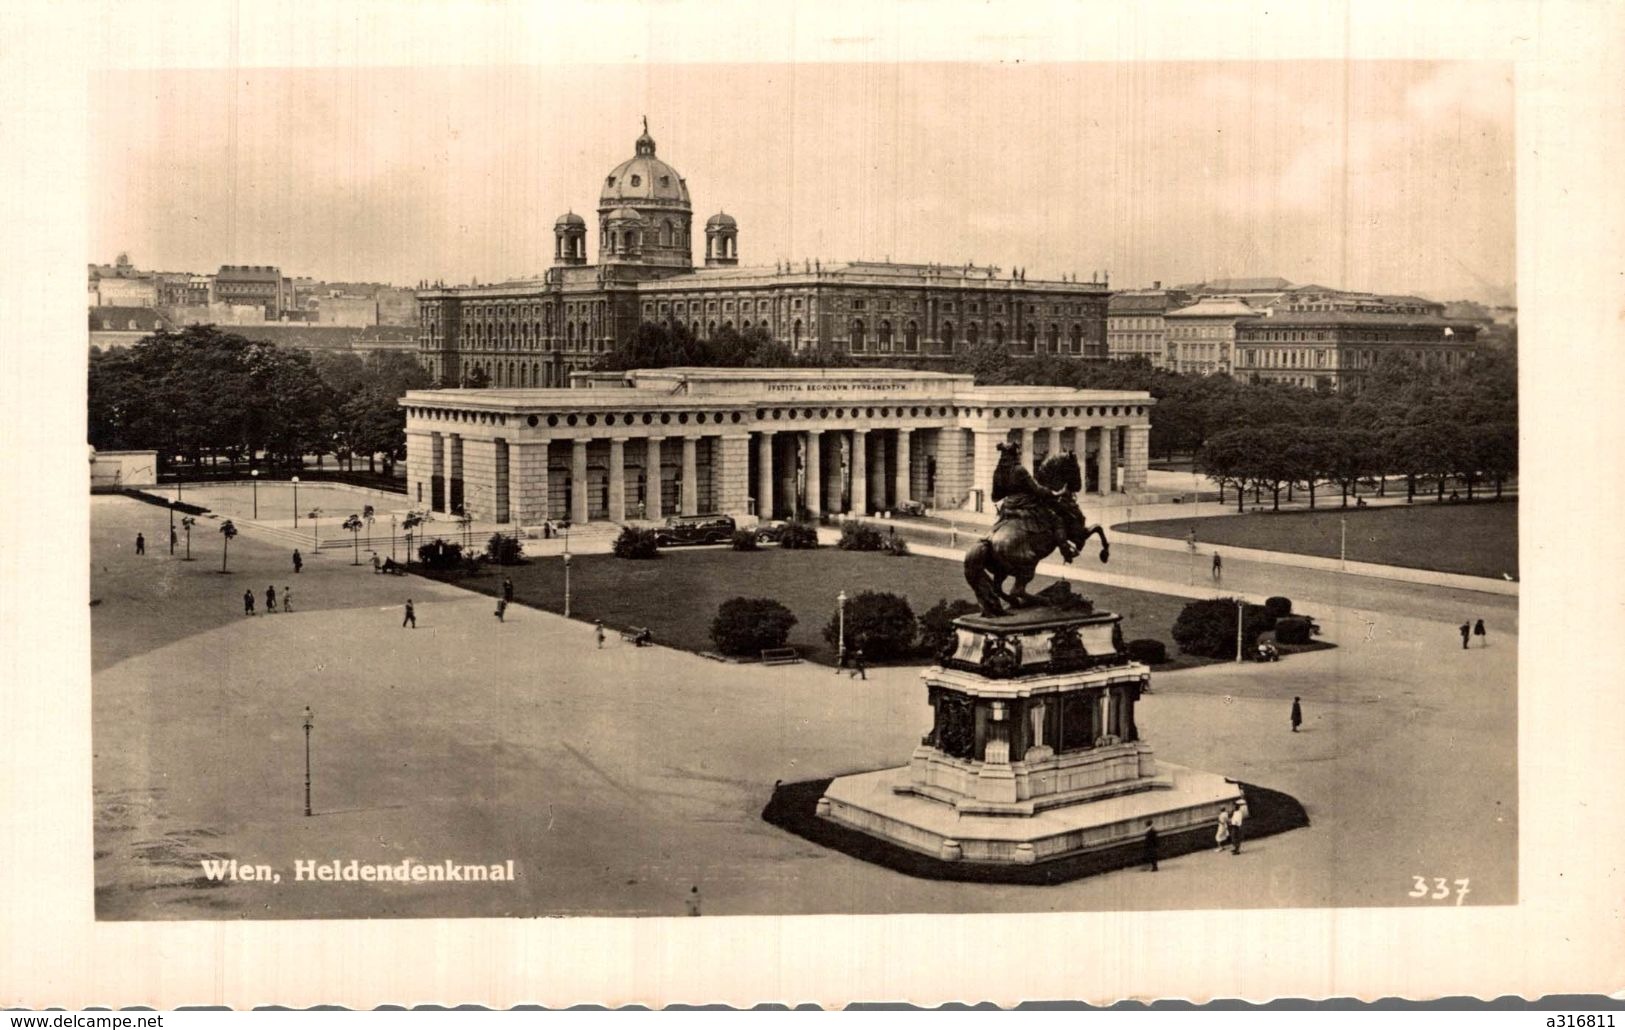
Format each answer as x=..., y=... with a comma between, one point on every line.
x=775, y=443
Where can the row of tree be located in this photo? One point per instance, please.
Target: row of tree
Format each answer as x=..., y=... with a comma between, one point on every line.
x=202, y=394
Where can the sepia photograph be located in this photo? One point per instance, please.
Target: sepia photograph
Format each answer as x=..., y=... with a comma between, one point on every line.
x=638, y=491
x=649, y=504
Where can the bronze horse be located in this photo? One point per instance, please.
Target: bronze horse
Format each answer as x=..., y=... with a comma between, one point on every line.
x=1040, y=514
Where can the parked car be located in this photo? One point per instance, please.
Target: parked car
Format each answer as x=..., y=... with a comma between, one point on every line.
x=770, y=531
x=695, y=529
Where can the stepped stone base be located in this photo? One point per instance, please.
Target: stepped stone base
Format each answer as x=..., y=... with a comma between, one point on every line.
x=880, y=803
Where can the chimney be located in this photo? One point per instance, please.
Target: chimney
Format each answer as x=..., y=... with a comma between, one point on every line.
x=1156, y=284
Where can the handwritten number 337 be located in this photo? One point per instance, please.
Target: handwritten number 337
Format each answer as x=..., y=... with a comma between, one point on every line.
x=1440, y=889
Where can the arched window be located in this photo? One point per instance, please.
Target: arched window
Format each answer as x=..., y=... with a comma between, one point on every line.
x=1054, y=339
x=795, y=335
x=884, y=340
x=911, y=338
x=710, y=329
x=998, y=334
x=631, y=240
x=667, y=237
x=948, y=336
x=1029, y=336
x=858, y=341
x=972, y=334
x=1077, y=339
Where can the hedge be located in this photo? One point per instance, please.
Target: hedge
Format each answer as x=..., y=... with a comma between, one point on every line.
x=1278, y=607
x=1147, y=650
x=799, y=536
x=1295, y=629
x=751, y=625
x=881, y=624
x=860, y=536
x=744, y=540
x=637, y=544
x=1208, y=628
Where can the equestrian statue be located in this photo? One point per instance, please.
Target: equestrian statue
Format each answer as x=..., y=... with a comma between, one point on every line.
x=1037, y=516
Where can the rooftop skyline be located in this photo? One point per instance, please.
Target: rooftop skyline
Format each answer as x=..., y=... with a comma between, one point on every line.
x=1386, y=176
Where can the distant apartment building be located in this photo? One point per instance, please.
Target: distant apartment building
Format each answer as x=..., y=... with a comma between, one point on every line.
x=357, y=312
x=259, y=285
x=1202, y=336
x=1336, y=350
x=1323, y=298
x=1136, y=325
x=1257, y=292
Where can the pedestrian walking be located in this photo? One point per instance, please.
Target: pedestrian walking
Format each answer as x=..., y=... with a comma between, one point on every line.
x=287, y=600
x=140, y=544
x=298, y=561
x=1149, y=855
x=598, y=631
x=1297, y=713
x=174, y=538
x=1218, y=565
x=248, y=602
x=858, y=668
x=1238, y=816
x=507, y=588
x=1466, y=631
x=375, y=564
x=1478, y=631
x=270, y=600
x=411, y=615
x=1221, y=836
x=693, y=901
x=502, y=606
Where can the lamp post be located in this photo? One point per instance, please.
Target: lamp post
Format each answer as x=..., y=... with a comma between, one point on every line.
x=392, y=536
x=1241, y=609
x=309, y=721
x=254, y=476
x=1343, y=544
x=567, y=582
x=295, y=502
x=840, y=631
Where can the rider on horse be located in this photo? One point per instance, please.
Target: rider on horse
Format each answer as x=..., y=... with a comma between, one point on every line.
x=1026, y=500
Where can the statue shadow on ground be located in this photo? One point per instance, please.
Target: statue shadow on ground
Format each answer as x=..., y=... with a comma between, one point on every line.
x=794, y=808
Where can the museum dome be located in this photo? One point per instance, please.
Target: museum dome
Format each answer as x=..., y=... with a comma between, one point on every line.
x=644, y=179
x=570, y=218
x=721, y=220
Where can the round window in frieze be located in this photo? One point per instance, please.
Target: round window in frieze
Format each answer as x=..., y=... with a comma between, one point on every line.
x=570, y=420
x=532, y=421
x=737, y=417
x=682, y=418
x=592, y=420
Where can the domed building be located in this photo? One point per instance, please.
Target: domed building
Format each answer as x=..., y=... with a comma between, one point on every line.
x=538, y=331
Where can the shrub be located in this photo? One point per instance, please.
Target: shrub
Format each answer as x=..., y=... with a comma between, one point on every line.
x=799, y=536
x=880, y=623
x=637, y=544
x=1148, y=651
x=1278, y=607
x=1208, y=628
x=751, y=625
x=896, y=546
x=744, y=540
x=504, y=549
x=438, y=554
x=937, y=634
x=860, y=536
x=1294, y=629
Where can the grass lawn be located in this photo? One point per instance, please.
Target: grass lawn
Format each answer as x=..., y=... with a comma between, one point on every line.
x=677, y=594
x=1478, y=539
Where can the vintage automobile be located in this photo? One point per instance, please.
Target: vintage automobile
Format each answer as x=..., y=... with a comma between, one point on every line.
x=695, y=529
x=771, y=531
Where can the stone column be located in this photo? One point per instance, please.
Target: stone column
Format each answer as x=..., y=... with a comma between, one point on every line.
x=527, y=481
x=499, y=483
x=985, y=459
x=877, y=470
x=904, y=471
x=617, y=479
x=691, y=476
x=1054, y=440
x=651, y=478
x=764, y=474
x=859, y=488
x=1028, y=441
x=454, y=472
x=419, y=467
x=437, y=472
x=951, y=479
x=1108, y=476
x=815, y=473
x=578, y=482
x=1136, y=456
x=730, y=459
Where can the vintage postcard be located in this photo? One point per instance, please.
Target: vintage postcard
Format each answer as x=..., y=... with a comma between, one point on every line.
x=972, y=490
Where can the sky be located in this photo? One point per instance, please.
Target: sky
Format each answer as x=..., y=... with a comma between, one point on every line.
x=1377, y=175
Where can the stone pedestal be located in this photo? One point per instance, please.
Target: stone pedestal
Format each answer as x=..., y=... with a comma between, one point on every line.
x=1033, y=752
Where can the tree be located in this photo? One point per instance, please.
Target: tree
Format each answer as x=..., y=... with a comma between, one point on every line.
x=1228, y=458
x=751, y=625
x=187, y=522
x=354, y=524
x=1356, y=454
x=227, y=530
x=882, y=624
x=1311, y=454
x=410, y=525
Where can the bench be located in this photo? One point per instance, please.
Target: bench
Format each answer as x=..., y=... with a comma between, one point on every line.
x=638, y=635
x=780, y=656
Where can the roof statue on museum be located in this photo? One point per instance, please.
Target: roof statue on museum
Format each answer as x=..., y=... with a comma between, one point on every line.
x=644, y=178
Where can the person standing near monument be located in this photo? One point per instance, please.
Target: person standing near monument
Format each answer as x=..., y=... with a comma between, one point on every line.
x=411, y=615
x=1221, y=836
x=248, y=602
x=502, y=607
x=858, y=668
x=287, y=600
x=1466, y=630
x=174, y=538
x=1297, y=713
x=1218, y=565
x=298, y=561
x=598, y=631
x=1238, y=816
x=1149, y=855
x=1478, y=631
x=140, y=544
x=507, y=588
x=693, y=901
x=270, y=600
